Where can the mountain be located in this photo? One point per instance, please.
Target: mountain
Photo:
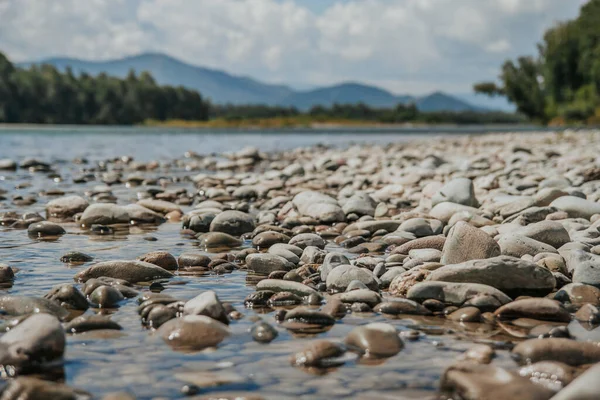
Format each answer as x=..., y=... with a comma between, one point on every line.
x=222, y=87
x=345, y=93
x=219, y=86
x=439, y=101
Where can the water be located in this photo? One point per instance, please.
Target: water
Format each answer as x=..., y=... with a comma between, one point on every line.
x=135, y=360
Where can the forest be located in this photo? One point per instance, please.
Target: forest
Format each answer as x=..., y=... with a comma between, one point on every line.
x=561, y=84
x=45, y=95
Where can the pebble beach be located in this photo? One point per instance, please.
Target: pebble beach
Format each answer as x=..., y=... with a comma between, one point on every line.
x=431, y=268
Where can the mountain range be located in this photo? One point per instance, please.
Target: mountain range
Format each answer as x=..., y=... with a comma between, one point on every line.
x=222, y=87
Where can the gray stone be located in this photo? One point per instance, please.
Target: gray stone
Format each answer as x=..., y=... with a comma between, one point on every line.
x=550, y=232
x=65, y=207
x=513, y=276
x=318, y=206
x=375, y=340
x=104, y=214
x=207, y=304
x=516, y=245
x=359, y=204
x=233, y=222
x=584, y=387
x=304, y=240
x=279, y=285
x=331, y=261
x=129, y=270
x=454, y=293
x=576, y=207
x=465, y=242
x=340, y=277
x=458, y=191
x=193, y=332
x=37, y=340
x=45, y=229
x=264, y=263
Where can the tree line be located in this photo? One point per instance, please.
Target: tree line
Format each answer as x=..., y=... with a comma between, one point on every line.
x=562, y=82
x=401, y=113
x=44, y=95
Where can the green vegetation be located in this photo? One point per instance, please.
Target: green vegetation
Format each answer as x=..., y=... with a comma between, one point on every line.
x=341, y=114
x=46, y=96
x=561, y=84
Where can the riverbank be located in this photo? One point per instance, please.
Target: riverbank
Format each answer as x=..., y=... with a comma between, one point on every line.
x=281, y=268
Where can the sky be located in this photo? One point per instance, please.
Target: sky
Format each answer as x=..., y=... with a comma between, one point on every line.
x=405, y=46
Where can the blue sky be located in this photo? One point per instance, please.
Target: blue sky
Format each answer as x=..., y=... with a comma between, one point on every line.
x=405, y=46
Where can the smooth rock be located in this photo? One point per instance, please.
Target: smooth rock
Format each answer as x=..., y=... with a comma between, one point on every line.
x=375, y=340
x=510, y=275
x=454, y=293
x=340, y=277
x=465, y=242
x=233, y=222
x=207, y=304
x=131, y=271
x=193, y=332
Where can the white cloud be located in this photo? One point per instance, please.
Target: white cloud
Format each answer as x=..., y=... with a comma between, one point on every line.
x=403, y=45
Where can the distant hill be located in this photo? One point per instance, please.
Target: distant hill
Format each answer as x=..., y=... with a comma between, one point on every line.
x=222, y=87
x=345, y=93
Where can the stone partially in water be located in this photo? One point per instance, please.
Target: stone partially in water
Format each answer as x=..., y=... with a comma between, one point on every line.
x=87, y=323
x=550, y=374
x=265, y=263
x=263, y=332
x=26, y=388
x=585, y=387
x=578, y=294
x=233, y=222
x=106, y=297
x=534, y=308
x=45, y=229
x=161, y=258
x=454, y=293
x=340, y=277
x=104, y=214
x=37, y=340
x=319, y=353
x=218, y=240
x=401, y=306
x=279, y=285
x=375, y=340
x=22, y=305
x=64, y=208
x=510, y=275
x=193, y=332
x=207, y=304
x=471, y=381
x=130, y=271
x=76, y=257
x=565, y=351
x=68, y=296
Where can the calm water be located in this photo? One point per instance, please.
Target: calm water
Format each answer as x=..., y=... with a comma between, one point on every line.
x=136, y=361
x=157, y=143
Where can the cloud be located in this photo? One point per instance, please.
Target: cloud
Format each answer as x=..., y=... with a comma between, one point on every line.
x=403, y=45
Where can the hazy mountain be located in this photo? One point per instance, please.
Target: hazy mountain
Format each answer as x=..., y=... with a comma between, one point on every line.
x=345, y=93
x=219, y=86
x=222, y=87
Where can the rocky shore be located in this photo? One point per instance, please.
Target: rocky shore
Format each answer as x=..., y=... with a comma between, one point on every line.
x=479, y=256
